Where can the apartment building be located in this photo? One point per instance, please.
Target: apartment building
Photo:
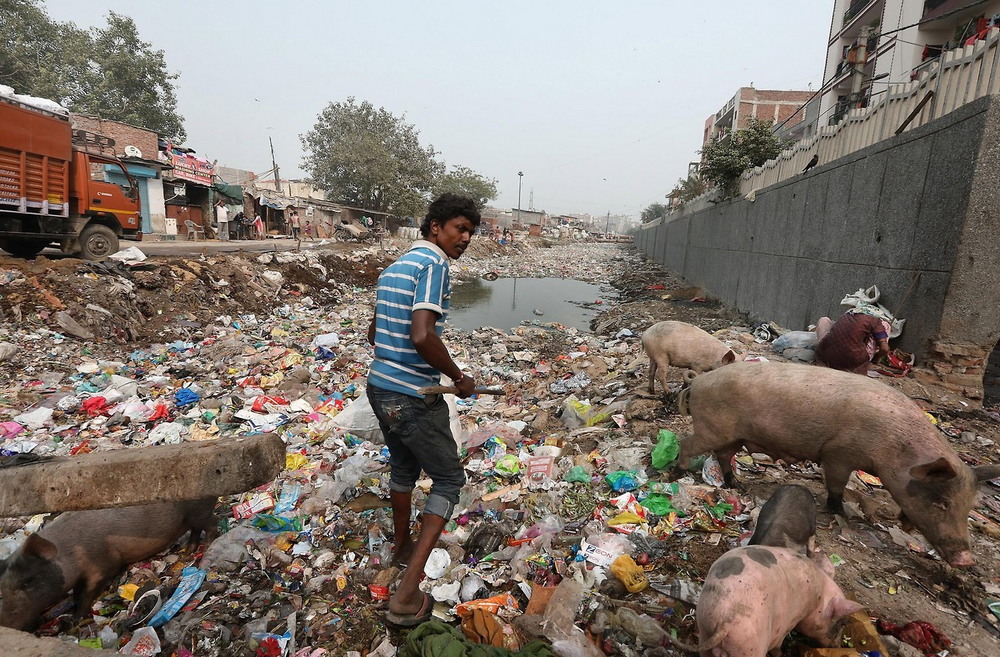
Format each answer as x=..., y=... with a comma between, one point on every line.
x=900, y=37
x=747, y=103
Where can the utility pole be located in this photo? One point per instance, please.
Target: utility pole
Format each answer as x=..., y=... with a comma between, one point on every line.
x=860, y=59
x=277, y=176
x=607, y=224
x=520, y=176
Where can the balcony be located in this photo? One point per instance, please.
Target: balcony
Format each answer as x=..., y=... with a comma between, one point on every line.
x=855, y=8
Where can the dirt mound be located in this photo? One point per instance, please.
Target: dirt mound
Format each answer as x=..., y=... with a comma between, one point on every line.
x=111, y=302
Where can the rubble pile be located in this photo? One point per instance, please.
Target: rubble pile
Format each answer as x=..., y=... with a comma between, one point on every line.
x=572, y=530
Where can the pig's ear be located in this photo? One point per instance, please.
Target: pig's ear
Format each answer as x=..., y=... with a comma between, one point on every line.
x=987, y=472
x=730, y=357
x=843, y=607
x=938, y=470
x=36, y=546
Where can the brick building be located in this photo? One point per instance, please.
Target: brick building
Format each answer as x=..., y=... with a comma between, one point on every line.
x=749, y=102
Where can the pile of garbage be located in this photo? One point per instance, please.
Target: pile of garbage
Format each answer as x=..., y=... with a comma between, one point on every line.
x=571, y=532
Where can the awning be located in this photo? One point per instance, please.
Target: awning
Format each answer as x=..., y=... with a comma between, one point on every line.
x=234, y=192
x=277, y=205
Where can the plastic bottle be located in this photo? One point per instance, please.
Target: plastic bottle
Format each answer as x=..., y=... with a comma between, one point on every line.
x=629, y=573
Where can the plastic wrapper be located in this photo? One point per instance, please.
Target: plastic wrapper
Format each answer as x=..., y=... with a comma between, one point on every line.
x=666, y=449
x=622, y=480
x=629, y=573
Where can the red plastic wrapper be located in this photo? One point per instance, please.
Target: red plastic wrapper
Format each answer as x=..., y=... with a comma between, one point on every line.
x=920, y=634
x=259, y=402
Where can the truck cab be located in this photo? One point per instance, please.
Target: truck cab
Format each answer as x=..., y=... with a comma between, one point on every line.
x=61, y=186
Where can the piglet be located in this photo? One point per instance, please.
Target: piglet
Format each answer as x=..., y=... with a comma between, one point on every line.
x=755, y=595
x=788, y=520
x=85, y=550
x=682, y=345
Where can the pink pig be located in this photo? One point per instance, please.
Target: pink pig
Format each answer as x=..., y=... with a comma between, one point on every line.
x=845, y=422
x=755, y=595
x=682, y=345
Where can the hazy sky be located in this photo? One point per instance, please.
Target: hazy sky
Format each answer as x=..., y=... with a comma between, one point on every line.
x=600, y=104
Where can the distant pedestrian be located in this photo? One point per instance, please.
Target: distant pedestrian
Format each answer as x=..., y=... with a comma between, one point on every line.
x=308, y=230
x=222, y=218
x=258, y=227
x=296, y=224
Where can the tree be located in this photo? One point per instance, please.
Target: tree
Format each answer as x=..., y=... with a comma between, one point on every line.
x=465, y=181
x=725, y=160
x=653, y=212
x=108, y=71
x=368, y=158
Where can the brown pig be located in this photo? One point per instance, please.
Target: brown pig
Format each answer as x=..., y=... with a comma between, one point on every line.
x=844, y=422
x=84, y=550
x=682, y=345
x=753, y=596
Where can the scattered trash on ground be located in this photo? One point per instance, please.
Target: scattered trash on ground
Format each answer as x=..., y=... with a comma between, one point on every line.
x=573, y=535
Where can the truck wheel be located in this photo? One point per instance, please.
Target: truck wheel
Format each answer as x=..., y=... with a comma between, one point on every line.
x=97, y=241
x=23, y=247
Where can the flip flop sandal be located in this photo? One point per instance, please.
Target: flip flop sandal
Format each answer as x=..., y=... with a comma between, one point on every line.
x=412, y=620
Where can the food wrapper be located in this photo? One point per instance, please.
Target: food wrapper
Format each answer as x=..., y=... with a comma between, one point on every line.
x=492, y=604
x=254, y=505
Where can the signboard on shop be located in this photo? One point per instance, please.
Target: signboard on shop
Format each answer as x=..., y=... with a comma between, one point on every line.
x=191, y=168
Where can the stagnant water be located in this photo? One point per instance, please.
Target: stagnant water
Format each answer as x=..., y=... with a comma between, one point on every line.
x=506, y=302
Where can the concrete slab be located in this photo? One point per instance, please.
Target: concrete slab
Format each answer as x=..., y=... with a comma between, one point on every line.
x=22, y=644
x=853, y=235
x=815, y=213
x=942, y=213
x=145, y=475
x=903, y=190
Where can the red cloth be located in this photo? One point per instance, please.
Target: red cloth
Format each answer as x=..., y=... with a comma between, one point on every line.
x=94, y=406
x=843, y=348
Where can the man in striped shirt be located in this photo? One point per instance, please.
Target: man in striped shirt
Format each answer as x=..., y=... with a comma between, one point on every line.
x=410, y=308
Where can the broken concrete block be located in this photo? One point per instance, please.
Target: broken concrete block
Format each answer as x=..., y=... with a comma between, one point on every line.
x=131, y=477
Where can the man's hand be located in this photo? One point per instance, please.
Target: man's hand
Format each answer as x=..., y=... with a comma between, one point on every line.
x=465, y=386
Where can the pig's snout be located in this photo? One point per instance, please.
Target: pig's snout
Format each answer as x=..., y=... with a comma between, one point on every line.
x=961, y=559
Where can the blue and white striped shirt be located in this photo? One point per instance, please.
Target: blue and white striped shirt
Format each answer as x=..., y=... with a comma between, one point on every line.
x=418, y=280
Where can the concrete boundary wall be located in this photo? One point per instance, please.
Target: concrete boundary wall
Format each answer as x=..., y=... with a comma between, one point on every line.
x=919, y=212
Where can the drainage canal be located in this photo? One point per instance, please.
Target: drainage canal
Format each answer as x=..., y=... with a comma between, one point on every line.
x=508, y=302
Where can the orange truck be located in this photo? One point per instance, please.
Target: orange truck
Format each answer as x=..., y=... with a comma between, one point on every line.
x=56, y=186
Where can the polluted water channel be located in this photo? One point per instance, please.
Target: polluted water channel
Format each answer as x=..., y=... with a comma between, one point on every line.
x=508, y=302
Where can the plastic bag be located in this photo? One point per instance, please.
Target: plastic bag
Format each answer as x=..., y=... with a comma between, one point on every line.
x=666, y=449
x=622, y=480
x=629, y=573
x=658, y=504
x=359, y=418
x=228, y=551
x=642, y=626
x=795, y=340
x=577, y=474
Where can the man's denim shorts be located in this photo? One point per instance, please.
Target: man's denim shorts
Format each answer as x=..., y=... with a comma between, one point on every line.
x=419, y=437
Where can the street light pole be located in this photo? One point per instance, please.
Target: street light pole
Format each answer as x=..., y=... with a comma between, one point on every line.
x=520, y=176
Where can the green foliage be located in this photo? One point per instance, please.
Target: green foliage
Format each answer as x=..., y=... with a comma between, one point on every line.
x=725, y=160
x=653, y=212
x=465, y=181
x=109, y=71
x=368, y=158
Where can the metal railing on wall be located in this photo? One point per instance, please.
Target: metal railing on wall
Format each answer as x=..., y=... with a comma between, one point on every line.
x=959, y=77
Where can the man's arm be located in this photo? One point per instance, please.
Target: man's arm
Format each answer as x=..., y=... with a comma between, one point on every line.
x=430, y=347
x=371, y=332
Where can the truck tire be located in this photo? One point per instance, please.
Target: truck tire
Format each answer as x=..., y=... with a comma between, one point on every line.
x=97, y=242
x=23, y=247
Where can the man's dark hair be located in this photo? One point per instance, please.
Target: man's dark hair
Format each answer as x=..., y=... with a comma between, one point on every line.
x=447, y=207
